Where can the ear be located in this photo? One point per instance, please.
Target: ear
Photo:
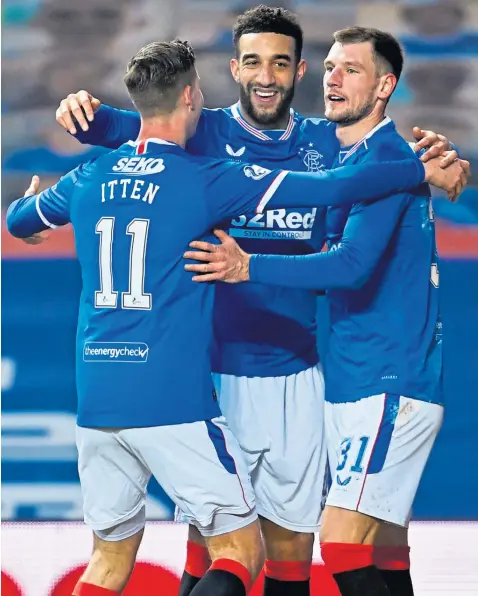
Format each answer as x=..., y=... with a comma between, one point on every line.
x=187, y=96
x=387, y=86
x=301, y=70
x=234, y=63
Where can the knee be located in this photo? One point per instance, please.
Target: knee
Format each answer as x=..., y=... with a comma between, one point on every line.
x=116, y=553
x=243, y=545
x=285, y=545
x=116, y=548
x=344, y=526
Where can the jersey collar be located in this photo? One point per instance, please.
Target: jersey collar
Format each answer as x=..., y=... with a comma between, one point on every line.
x=260, y=134
x=363, y=141
x=142, y=146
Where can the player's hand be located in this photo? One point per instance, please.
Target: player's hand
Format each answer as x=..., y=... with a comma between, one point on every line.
x=34, y=186
x=451, y=178
x=39, y=237
x=79, y=106
x=435, y=144
x=219, y=262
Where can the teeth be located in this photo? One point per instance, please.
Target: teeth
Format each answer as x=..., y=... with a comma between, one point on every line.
x=334, y=97
x=265, y=93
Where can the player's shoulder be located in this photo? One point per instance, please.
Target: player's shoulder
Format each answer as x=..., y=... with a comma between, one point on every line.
x=315, y=124
x=388, y=145
x=214, y=123
x=318, y=138
x=228, y=171
x=317, y=128
x=86, y=170
x=217, y=117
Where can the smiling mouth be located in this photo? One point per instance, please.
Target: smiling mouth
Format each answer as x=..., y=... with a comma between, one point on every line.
x=265, y=95
x=335, y=98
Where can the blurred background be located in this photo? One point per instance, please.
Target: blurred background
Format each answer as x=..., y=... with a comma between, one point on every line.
x=55, y=47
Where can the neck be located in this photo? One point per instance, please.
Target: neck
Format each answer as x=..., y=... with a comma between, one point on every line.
x=349, y=134
x=166, y=128
x=277, y=124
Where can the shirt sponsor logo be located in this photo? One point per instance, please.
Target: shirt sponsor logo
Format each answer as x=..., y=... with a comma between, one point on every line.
x=233, y=153
x=139, y=166
x=256, y=172
x=275, y=224
x=98, y=351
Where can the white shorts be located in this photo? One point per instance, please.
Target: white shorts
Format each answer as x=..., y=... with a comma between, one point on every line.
x=279, y=424
x=378, y=448
x=199, y=465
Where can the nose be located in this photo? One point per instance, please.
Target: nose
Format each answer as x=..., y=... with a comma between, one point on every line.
x=266, y=76
x=334, y=78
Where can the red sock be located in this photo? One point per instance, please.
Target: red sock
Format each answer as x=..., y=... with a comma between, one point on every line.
x=288, y=571
x=197, y=559
x=236, y=569
x=340, y=557
x=84, y=589
x=392, y=558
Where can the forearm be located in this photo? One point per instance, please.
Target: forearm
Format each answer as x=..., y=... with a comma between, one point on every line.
x=345, y=185
x=23, y=219
x=110, y=128
x=311, y=272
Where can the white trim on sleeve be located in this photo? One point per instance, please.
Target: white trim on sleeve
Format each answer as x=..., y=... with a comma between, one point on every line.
x=40, y=214
x=271, y=191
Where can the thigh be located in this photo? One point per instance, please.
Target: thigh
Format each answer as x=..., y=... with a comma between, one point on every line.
x=241, y=402
x=201, y=468
x=378, y=448
x=113, y=480
x=290, y=480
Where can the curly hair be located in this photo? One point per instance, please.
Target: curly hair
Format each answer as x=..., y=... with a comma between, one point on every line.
x=266, y=19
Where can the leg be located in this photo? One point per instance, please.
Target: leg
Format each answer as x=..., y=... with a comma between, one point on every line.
x=110, y=566
x=198, y=561
x=113, y=483
x=281, y=420
x=237, y=558
x=347, y=539
x=378, y=447
x=392, y=557
x=291, y=478
x=380, y=544
x=289, y=558
x=200, y=466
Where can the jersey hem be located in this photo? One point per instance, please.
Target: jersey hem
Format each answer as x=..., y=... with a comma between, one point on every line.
x=108, y=422
x=371, y=391
x=290, y=368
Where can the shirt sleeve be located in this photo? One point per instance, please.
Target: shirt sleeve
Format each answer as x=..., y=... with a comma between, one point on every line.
x=345, y=185
x=110, y=128
x=367, y=233
x=48, y=209
x=235, y=188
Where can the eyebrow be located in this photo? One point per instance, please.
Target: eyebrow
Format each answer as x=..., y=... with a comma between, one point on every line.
x=274, y=57
x=348, y=63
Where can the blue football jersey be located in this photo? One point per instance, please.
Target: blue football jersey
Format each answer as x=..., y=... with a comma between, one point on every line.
x=144, y=327
x=259, y=330
x=381, y=274
x=386, y=337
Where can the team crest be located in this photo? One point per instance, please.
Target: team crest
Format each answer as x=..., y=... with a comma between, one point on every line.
x=311, y=158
